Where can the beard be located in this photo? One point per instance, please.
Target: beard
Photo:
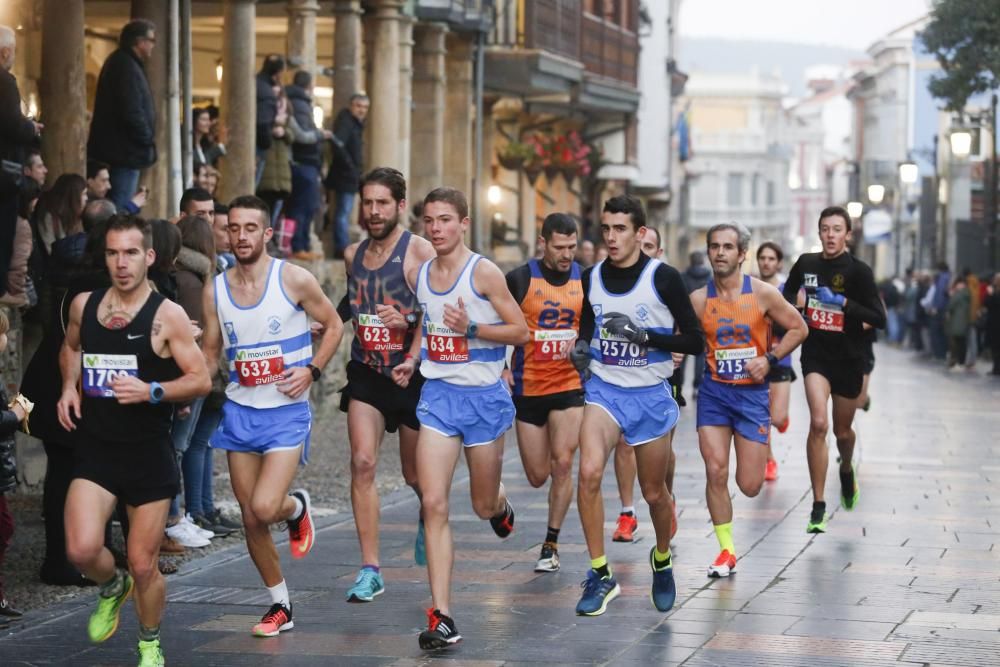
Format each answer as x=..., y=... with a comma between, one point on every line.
x=252, y=258
x=388, y=226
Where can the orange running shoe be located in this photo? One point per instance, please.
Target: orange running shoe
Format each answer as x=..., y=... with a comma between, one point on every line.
x=301, y=533
x=771, y=471
x=723, y=566
x=784, y=427
x=627, y=525
x=277, y=619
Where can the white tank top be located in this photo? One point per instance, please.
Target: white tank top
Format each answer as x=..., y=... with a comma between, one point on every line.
x=261, y=341
x=449, y=355
x=616, y=360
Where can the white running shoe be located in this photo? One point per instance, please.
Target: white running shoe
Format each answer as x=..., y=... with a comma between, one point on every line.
x=204, y=532
x=181, y=531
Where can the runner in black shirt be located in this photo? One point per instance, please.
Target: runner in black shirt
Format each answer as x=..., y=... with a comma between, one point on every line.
x=840, y=296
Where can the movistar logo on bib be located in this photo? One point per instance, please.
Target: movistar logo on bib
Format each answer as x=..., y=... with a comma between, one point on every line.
x=367, y=320
x=258, y=353
x=111, y=361
x=440, y=330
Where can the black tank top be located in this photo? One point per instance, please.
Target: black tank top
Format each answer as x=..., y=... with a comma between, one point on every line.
x=110, y=352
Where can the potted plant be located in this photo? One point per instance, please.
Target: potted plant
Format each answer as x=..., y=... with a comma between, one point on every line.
x=514, y=155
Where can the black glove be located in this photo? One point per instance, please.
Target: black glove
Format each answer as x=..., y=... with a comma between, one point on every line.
x=580, y=357
x=621, y=325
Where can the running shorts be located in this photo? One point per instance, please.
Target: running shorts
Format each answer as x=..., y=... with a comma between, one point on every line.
x=398, y=405
x=535, y=409
x=744, y=408
x=264, y=430
x=642, y=413
x=136, y=473
x=476, y=415
x=844, y=375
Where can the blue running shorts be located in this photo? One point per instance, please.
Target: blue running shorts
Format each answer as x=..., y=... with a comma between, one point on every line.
x=745, y=408
x=263, y=430
x=642, y=413
x=476, y=415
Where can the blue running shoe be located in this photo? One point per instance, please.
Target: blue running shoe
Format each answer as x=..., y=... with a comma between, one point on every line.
x=367, y=585
x=420, y=547
x=598, y=591
x=664, y=591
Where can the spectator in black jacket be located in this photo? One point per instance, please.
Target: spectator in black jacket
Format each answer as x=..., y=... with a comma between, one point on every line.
x=345, y=168
x=123, y=127
x=267, y=78
x=307, y=161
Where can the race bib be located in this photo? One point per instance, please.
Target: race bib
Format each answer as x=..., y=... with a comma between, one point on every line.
x=553, y=345
x=259, y=365
x=446, y=346
x=100, y=369
x=618, y=351
x=824, y=316
x=730, y=364
x=376, y=337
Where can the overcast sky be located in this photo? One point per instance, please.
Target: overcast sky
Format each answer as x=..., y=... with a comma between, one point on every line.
x=849, y=23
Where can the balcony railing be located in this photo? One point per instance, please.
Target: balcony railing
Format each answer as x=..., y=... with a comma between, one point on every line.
x=609, y=49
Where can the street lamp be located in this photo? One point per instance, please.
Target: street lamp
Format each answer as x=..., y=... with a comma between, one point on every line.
x=876, y=193
x=855, y=209
x=908, y=173
x=961, y=143
x=494, y=194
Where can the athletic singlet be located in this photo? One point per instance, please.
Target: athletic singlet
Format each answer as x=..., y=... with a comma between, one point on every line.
x=262, y=341
x=446, y=354
x=108, y=353
x=735, y=332
x=785, y=361
x=542, y=367
x=374, y=344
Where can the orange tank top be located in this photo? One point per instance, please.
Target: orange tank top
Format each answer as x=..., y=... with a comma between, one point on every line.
x=735, y=332
x=542, y=366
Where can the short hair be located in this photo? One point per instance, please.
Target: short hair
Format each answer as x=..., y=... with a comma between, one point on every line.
x=835, y=210
x=630, y=205
x=94, y=167
x=451, y=196
x=31, y=154
x=97, y=212
x=122, y=222
x=221, y=209
x=390, y=178
x=194, y=194
x=558, y=223
x=778, y=252
x=357, y=96
x=302, y=78
x=742, y=234
x=273, y=63
x=197, y=111
x=254, y=203
x=657, y=232
x=8, y=37
x=133, y=31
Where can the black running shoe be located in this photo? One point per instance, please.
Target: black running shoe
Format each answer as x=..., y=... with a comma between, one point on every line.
x=440, y=633
x=503, y=523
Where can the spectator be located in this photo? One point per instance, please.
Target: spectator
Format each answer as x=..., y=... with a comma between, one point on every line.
x=275, y=183
x=220, y=230
x=60, y=209
x=975, y=305
x=98, y=179
x=166, y=246
x=34, y=168
x=268, y=85
x=205, y=151
x=206, y=177
x=20, y=291
x=937, y=307
x=957, y=321
x=992, y=304
x=911, y=309
x=198, y=203
x=344, y=175
x=306, y=163
x=585, y=253
x=891, y=298
x=123, y=126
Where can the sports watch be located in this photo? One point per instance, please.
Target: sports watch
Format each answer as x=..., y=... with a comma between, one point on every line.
x=411, y=319
x=156, y=392
x=316, y=373
x=472, y=330
x=771, y=359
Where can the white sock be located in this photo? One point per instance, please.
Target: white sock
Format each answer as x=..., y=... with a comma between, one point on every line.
x=299, y=508
x=279, y=593
x=630, y=508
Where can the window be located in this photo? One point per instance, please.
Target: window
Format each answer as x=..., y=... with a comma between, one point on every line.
x=770, y=193
x=734, y=190
x=754, y=187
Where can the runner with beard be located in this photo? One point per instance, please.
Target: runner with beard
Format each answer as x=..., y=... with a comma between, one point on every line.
x=259, y=313
x=383, y=387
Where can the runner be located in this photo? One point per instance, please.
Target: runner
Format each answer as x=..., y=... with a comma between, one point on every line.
x=769, y=263
x=258, y=312
x=735, y=310
x=628, y=394
x=548, y=395
x=135, y=354
x=840, y=296
x=382, y=384
x=469, y=317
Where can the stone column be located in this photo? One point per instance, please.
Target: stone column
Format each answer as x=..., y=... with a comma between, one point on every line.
x=427, y=141
x=405, y=91
x=157, y=176
x=63, y=88
x=239, y=98
x=458, y=114
x=383, y=87
x=302, y=33
x=348, y=75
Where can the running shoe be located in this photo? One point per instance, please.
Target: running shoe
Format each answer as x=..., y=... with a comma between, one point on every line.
x=817, y=522
x=301, y=533
x=624, y=531
x=204, y=532
x=187, y=535
x=724, y=565
x=664, y=591
x=598, y=591
x=366, y=586
x=440, y=633
x=150, y=654
x=868, y=404
x=277, y=619
x=420, y=545
x=784, y=427
x=503, y=523
x=104, y=621
x=771, y=471
x=548, y=560
x=849, y=490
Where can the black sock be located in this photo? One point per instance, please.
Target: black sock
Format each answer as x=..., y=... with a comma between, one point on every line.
x=552, y=535
x=629, y=513
x=148, y=634
x=819, y=511
x=603, y=571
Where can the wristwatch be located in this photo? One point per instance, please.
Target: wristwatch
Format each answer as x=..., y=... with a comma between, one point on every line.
x=472, y=330
x=411, y=319
x=156, y=392
x=316, y=373
x=771, y=359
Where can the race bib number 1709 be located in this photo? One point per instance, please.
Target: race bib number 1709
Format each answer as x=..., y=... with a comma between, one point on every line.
x=100, y=369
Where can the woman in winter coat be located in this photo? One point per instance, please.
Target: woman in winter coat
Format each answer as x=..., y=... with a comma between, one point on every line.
x=276, y=183
x=957, y=320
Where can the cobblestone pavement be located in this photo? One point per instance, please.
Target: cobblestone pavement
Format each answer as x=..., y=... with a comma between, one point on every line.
x=912, y=576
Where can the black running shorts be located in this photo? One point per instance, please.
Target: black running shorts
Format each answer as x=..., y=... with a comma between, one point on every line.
x=535, y=409
x=869, y=360
x=135, y=472
x=782, y=374
x=844, y=375
x=398, y=405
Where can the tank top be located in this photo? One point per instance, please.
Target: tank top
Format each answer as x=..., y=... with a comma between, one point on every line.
x=449, y=355
x=374, y=344
x=786, y=361
x=542, y=367
x=618, y=361
x=735, y=332
x=262, y=340
x=108, y=353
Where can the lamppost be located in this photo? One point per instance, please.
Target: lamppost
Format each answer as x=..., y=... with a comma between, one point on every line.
x=908, y=174
x=959, y=200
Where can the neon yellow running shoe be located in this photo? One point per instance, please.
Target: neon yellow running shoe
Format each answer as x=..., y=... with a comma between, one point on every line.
x=150, y=654
x=104, y=620
x=849, y=485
